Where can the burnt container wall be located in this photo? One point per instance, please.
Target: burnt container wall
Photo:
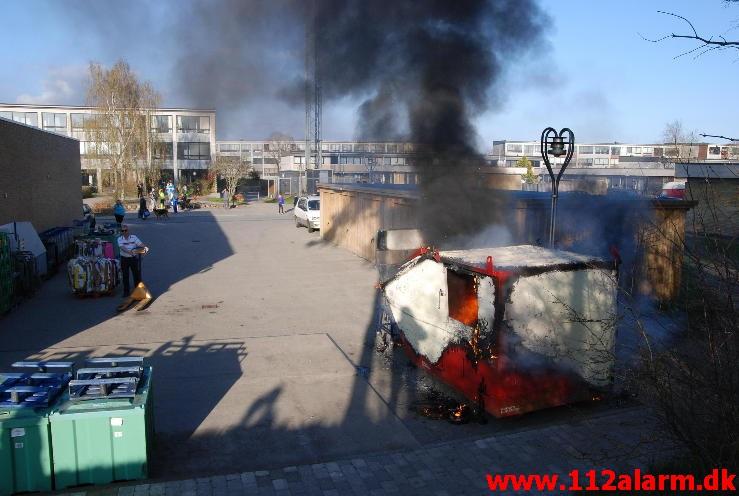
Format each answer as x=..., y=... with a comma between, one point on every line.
x=39, y=177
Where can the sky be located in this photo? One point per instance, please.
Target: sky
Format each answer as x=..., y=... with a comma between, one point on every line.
x=594, y=73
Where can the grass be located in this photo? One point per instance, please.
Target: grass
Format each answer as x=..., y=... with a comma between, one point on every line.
x=288, y=200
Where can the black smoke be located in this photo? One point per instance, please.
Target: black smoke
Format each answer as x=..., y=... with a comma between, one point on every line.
x=421, y=70
x=428, y=67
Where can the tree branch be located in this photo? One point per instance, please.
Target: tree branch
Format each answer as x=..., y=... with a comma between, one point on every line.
x=712, y=43
x=718, y=136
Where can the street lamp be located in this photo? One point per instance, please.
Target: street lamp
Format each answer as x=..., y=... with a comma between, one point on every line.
x=556, y=144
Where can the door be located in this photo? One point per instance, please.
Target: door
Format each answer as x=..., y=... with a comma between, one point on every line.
x=301, y=211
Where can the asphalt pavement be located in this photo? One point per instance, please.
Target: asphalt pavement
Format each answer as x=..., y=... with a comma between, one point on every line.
x=262, y=339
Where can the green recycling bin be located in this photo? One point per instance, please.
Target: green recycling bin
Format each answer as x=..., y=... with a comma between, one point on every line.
x=103, y=429
x=26, y=399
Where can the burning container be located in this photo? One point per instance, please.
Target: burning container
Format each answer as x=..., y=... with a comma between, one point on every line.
x=514, y=329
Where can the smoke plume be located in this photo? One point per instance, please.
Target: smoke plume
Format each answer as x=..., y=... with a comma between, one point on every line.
x=427, y=67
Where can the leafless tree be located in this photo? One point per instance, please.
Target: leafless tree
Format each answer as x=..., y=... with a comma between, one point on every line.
x=231, y=169
x=278, y=147
x=119, y=131
x=680, y=142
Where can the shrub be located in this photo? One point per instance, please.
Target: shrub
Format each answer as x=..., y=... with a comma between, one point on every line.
x=88, y=191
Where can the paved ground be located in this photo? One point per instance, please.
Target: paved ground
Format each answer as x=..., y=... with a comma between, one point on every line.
x=262, y=342
x=617, y=441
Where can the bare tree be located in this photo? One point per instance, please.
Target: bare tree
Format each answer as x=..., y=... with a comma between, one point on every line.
x=119, y=129
x=231, y=170
x=279, y=146
x=680, y=142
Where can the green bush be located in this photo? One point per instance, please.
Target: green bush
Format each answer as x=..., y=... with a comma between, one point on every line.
x=88, y=191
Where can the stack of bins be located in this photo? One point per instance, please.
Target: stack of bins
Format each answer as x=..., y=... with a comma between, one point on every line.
x=6, y=274
x=26, y=400
x=103, y=430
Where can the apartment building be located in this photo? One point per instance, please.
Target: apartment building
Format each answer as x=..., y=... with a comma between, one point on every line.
x=607, y=155
x=341, y=162
x=188, y=136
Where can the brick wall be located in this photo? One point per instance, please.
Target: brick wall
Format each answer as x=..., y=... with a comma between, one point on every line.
x=39, y=177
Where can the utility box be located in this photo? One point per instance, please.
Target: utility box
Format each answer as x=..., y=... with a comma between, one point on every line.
x=103, y=429
x=26, y=399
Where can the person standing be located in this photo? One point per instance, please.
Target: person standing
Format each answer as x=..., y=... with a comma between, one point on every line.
x=173, y=199
x=127, y=244
x=139, y=190
x=224, y=195
x=280, y=204
x=119, y=211
x=142, y=207
x=162, y=198
x=153, y=197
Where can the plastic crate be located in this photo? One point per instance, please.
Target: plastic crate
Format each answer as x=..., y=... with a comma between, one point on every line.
x=104, y=428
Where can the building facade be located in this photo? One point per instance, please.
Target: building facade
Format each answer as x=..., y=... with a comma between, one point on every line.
x=188, y=137
x=603, y=155
x=343, y=162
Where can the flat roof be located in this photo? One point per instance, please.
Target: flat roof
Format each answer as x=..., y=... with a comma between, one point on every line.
x=513, y=257
x=86, y=107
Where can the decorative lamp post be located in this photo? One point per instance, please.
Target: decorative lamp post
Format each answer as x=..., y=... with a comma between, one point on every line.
x=556, y=144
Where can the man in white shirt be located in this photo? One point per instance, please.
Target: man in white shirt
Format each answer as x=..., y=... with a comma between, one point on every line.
x=129, y=245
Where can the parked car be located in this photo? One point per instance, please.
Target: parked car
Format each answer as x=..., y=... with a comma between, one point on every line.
x=308, y=212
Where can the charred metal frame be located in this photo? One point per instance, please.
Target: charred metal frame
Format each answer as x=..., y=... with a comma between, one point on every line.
x=553, y=143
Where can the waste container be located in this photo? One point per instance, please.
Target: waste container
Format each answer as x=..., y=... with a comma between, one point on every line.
x=26, y=399
x=103, y=429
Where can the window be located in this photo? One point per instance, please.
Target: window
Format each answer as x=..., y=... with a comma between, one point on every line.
x=585, y=150
x=342, y=160
x=346, y=147
x=361, y=147
x=161, y=123
x=600, y=161
x=637, y=150
x=162, y=151
x=587, y=162
x=258, y=161
x=334, y=147
x=28, y=118
x=531, y=150
x=228, y=147
x=54, y=122
x=78, y=121
x=714, y=150
x=601, y=150
x=462, y=297
x=514, y=148
x=314, y=205
x=629, y=150
x=615, y=151
x=647, y=150
x=658, y=152
x=397, y=161
x=193, y=124
x=298, y=159
x=193, y=151
x=378, y=148
x=270, y=160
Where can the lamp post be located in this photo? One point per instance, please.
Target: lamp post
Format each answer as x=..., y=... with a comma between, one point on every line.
x=556, y=144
